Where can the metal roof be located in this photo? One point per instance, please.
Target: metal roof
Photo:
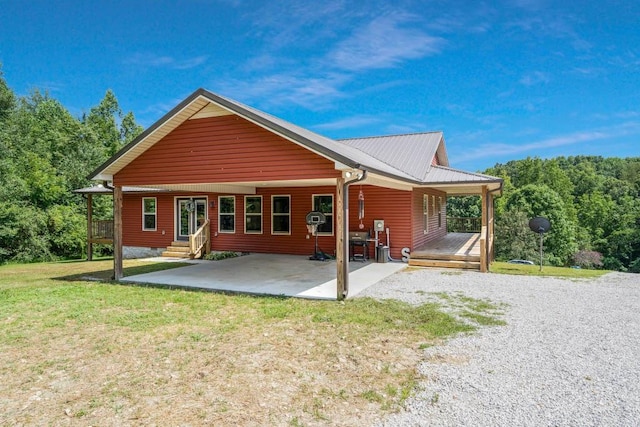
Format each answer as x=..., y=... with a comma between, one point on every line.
x=411, y=153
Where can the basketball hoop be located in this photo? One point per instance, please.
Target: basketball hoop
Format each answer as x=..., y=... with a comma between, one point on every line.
x=312, y=229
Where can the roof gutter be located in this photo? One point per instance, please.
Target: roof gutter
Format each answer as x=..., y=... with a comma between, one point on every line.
x=345, y=231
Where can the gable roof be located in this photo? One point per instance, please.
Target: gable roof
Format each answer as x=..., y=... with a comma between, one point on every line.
x=411, y=153
x=401, y=158
x=200, y=99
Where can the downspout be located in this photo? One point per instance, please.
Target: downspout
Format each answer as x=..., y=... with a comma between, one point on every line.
x=345, y=230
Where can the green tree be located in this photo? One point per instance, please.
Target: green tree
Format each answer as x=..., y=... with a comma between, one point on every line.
x=540, y=200
x=514, y=239
x=47, y=153
x=7, y=98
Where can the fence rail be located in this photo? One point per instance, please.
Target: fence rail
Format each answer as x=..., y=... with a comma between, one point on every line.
x=102, y=229
x=463, y=224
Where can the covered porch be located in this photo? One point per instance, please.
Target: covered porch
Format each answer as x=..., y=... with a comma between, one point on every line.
x=459, y=250
x=469, y=242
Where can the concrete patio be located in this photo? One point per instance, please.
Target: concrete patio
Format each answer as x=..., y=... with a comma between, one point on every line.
x=269, y=274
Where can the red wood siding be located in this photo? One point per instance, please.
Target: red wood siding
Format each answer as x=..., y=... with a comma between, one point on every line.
x=393, y=206
x=435, y=232
x=132, y=221
x=223, y=149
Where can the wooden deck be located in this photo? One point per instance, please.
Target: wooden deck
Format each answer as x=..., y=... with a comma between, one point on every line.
x=455, y=250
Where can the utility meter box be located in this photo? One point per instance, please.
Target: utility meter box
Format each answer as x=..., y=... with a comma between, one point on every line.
x=378, y=225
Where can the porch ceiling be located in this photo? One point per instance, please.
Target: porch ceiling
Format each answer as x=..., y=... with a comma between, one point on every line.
x=244, y=187
x=465, y=189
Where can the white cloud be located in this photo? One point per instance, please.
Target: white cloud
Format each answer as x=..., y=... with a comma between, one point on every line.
x=153, y=60
x=311, y=92
x=534, y=78
x=384, y=42
x=286, y=23
x=349, y=123
x=503, y=149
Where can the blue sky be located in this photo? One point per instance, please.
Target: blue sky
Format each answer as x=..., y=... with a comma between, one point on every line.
x=502, y=80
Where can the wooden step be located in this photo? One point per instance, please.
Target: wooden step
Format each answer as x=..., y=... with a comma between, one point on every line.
x=471, y=265
x=178, y=249
x=171, y=254
x=446, y=257
x=184, y=249
x=180, y=243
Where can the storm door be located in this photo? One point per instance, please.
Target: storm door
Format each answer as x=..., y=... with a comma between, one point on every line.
x=191, y=214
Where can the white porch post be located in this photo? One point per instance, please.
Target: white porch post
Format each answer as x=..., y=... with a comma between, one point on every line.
x=117, y=233
x=342, y=255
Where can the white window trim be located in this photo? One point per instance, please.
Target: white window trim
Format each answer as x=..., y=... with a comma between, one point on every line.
x=280, y=233
x=220, y=215
x=313, y=196
x=440, y=212
x=254, y=214
x=155, y=214
x=425, y=213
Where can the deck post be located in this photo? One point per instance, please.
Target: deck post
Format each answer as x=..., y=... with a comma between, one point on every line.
x=341, y=254
x=117, y=233
x=89, y=227
x=484, y=238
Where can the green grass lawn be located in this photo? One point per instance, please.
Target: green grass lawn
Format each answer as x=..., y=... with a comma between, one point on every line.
x=99, y=352
x=534, y=270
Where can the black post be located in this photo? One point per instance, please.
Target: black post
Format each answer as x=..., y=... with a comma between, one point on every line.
x=541, y=234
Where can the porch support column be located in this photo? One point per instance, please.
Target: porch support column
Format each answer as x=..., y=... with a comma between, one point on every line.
x=117, y=233
x=484, y=238
x=89, y=227
x=491, y=231
x=342, y=251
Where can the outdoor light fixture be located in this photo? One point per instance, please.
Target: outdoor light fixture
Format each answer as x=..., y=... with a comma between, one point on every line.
x=352, y=173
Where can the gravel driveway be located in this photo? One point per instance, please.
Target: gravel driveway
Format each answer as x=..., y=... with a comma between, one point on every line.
x=569, y=355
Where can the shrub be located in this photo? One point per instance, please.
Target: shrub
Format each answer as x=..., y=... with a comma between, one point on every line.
x=588, y=259
x=217, y=256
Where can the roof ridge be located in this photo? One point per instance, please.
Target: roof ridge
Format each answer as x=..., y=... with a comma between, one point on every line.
x=390, y=135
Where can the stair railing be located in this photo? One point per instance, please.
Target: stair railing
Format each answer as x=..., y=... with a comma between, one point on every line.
x=199, y=239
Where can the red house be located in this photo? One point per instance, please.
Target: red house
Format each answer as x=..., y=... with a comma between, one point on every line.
x=226, y=176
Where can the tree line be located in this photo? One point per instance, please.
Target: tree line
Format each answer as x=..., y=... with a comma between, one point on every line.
x=45, y=154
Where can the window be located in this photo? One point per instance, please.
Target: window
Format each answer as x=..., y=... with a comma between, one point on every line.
x=324, y=203
x=227, y=214
x=280, y=214
x=253, y=214
x=425, y=213
x=149, y=213
x=439, y=211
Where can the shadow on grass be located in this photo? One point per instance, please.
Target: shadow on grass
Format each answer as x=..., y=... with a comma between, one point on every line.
x=107, y=275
